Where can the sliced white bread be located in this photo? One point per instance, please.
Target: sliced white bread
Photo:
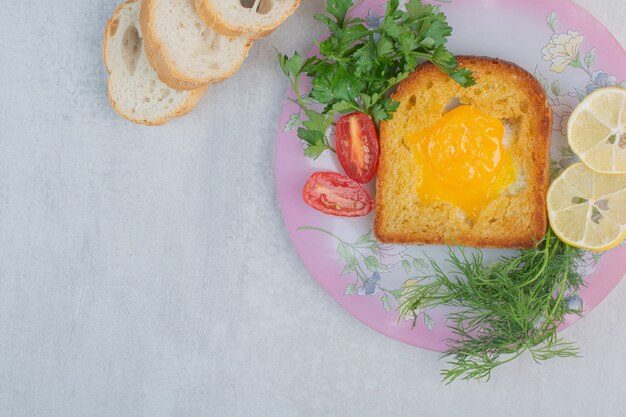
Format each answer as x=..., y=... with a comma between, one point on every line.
x=135, y=91
x=253, y=18
x=183, y=50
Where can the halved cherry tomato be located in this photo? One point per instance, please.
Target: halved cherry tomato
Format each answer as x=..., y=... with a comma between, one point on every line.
x=336, y=194
x=357, y=146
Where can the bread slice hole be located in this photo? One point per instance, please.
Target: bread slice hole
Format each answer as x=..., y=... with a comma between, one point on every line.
x=131, y=48
x=164, y=94
x=412, y=102
x=511, y=129
x=248, y=4
x=452, y=104
x=215, y=43
x=465, y=218
x=259, y=6
x=265, y=7
x=404, y=144
x=211, y=43
x=524, y=107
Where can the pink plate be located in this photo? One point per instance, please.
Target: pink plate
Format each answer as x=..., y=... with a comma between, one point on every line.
x=568, y=50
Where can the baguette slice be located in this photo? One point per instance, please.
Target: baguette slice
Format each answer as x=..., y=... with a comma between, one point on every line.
x=253, y=18
x=185, y=53
x=134, y=89
x=515, y=219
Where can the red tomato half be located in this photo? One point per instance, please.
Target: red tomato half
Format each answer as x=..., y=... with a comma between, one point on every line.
x=336, y=194
x=357, y=146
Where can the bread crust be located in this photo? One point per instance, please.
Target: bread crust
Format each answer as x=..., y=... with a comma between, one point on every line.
x=192, y=100
x=161, y=62
x=537, y=224
x=212, y=19
x=189, y=105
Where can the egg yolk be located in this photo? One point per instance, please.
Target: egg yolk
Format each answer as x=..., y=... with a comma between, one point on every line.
x=462, y=160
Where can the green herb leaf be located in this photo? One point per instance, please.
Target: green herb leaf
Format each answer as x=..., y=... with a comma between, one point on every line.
x=463, y=76
x=290, y=65
x=365, y=57
x=312, y=137
x=314, y=151
x=384, y=46
x=417, y=10
x=317, y=122
x=332, y=25
x=338, y=8
x=438, y=31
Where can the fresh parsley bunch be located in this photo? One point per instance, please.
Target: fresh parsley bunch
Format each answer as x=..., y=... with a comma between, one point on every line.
x=358, y=66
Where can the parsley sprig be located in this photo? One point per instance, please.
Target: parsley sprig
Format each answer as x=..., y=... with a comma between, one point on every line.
x=504, y=309
x=358, y=66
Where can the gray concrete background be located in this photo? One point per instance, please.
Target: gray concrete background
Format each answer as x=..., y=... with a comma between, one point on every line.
x=147, y=271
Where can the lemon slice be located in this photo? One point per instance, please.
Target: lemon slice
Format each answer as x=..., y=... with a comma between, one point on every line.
x=596, y=130
x=587, y=209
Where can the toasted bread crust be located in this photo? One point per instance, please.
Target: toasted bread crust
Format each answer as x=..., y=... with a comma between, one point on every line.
x=163, y=64
x=536, y=224
x=212, y=19
x=110, y=31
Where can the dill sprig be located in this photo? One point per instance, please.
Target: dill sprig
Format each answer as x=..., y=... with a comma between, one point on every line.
x=504, y=309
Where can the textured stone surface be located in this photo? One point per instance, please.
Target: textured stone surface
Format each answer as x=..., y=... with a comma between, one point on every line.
x=147, y=271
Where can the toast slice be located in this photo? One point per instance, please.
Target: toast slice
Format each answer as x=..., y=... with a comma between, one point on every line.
x=134, y=89
x=183, y=50
x=253, y=18
x=516, y=218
